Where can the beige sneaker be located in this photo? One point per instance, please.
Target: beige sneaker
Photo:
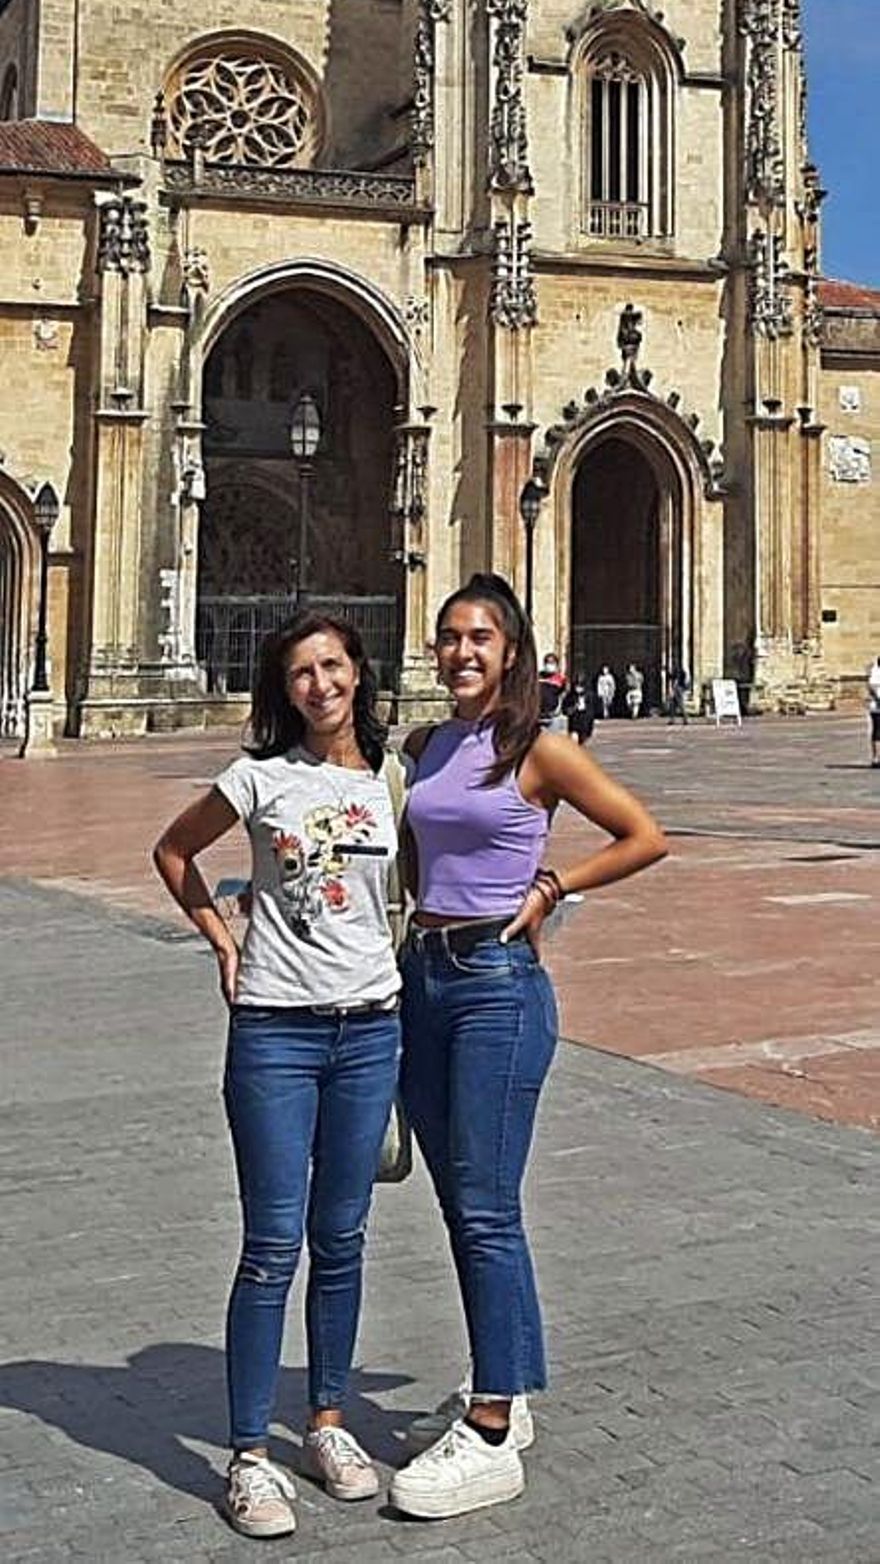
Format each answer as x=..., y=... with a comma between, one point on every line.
x=426, y=1430
x=335, y=1458
x=259, y=1497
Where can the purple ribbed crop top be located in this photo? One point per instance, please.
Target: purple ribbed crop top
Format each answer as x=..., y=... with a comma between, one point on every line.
x=478, y=847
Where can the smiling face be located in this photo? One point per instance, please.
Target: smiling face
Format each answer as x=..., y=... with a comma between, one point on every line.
x=473, y=655
x=321, y=679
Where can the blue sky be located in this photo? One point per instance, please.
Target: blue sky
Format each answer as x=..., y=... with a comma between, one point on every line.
x=843, y=62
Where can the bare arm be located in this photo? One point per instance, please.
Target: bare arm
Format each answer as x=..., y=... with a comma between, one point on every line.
x=555, y=771
x=209, y=818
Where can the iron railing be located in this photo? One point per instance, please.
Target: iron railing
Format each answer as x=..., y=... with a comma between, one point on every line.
x=229, y=631
x=618, y=219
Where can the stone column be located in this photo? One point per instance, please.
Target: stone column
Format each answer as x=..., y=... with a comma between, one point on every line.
x=109, y=704
x=512, y=297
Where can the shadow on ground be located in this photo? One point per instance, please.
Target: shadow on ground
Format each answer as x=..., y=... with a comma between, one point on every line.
x=173, y=1392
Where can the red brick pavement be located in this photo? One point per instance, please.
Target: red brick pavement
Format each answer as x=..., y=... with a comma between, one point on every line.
x=747, y=961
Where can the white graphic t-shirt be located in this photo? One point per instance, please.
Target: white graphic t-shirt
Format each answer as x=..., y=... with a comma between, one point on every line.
x=322, y=842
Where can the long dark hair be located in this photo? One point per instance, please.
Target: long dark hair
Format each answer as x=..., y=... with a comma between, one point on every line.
x=275, y=725
x=515, y=719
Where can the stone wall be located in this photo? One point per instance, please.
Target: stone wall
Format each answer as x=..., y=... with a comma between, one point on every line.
x=850, y=495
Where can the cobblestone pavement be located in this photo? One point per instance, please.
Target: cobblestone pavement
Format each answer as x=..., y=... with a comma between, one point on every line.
x=747, y=959
x=704, y=1262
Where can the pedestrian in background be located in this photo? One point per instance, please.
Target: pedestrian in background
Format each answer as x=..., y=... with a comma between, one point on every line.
x=579, y=706
x=874, y=710
x=679, y=685
x=606, y=689
x=635, y=689
x=551, y=692
x=313, y=1041
x=479, y=1015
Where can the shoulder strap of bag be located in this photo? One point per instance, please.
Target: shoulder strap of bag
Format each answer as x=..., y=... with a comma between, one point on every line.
x=395, y=779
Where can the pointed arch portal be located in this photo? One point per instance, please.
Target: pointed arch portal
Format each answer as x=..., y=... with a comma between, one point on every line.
x=623, y=522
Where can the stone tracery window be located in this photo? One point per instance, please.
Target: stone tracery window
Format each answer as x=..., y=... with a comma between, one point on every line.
x=628, y=91
x=243, y=102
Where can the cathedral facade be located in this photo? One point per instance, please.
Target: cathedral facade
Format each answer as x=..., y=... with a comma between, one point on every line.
x=340, y=300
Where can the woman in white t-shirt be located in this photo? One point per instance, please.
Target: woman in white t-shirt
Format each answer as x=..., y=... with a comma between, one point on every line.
x=314, y=1040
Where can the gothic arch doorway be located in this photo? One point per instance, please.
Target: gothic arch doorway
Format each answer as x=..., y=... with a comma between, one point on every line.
x=257, y=510
x=626, y=565
x=18, y=587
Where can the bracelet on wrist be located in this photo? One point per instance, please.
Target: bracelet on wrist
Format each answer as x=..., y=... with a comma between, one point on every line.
x=545, y=894
x=548, y=883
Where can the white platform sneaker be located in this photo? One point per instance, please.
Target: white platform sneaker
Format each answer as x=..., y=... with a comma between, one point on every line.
x=461, y=1472
x=426, y=1430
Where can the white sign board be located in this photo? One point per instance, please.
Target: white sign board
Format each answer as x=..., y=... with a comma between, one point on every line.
x=725, y=700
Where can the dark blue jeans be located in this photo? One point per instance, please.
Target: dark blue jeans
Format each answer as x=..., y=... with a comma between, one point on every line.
x=479, y=1033
x=301, y=1090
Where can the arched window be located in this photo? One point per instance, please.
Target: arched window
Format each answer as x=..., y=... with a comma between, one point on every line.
x=628, y=77
x=9, y=94
x=244, y=100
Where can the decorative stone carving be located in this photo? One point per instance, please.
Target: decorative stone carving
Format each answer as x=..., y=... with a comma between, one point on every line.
x=765, y=167
x=631, y=382
x=123, y=238
x=329, y=187
x=814, y=315
x=196, y=272
x=629, y=341
x=430, y=12
x=415, y=312
x=409, y=491
x=512, y=301
x=849, y=459
x=45, y=335
x=770, y=307
x=246, y=109
x=792, y=33
x=850, y=399
x=508, y=138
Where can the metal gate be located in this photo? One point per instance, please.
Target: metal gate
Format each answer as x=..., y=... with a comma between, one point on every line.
x=229, y=631
x=617, y=645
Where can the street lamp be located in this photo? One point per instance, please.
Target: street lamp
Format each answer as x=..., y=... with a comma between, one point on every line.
x=305, y=437
x=46, y=511
x=529, y=508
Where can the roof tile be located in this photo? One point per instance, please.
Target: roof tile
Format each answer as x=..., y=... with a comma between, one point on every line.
x=48, y=147
x=834, y=294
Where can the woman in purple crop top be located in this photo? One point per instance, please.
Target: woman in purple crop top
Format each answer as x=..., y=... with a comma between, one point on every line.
x=479, y=1014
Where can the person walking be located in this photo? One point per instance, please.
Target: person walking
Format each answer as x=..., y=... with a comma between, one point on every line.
x=479, y=1014
x=606, y=689
x=579, y=708
x=874, y=710
x=635, y=690
x=679, y=686
x=314, y=1037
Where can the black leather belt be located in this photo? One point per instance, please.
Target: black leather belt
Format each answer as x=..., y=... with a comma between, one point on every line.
x=460, y=939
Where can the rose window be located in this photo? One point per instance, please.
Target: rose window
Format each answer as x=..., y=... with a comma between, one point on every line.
x=242, y=109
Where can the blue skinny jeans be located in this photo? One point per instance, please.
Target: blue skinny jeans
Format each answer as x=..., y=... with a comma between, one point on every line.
x=302, y=1092
x=479, y=1033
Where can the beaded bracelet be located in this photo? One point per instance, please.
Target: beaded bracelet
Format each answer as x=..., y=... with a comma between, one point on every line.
x=547, y=881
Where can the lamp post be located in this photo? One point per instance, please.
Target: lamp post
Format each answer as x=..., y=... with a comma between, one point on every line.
x=38, y=723
x=46, y=510
x=305, y=437
x=529, y=508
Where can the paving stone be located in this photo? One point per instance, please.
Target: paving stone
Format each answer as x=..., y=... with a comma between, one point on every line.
x=703, y=1260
